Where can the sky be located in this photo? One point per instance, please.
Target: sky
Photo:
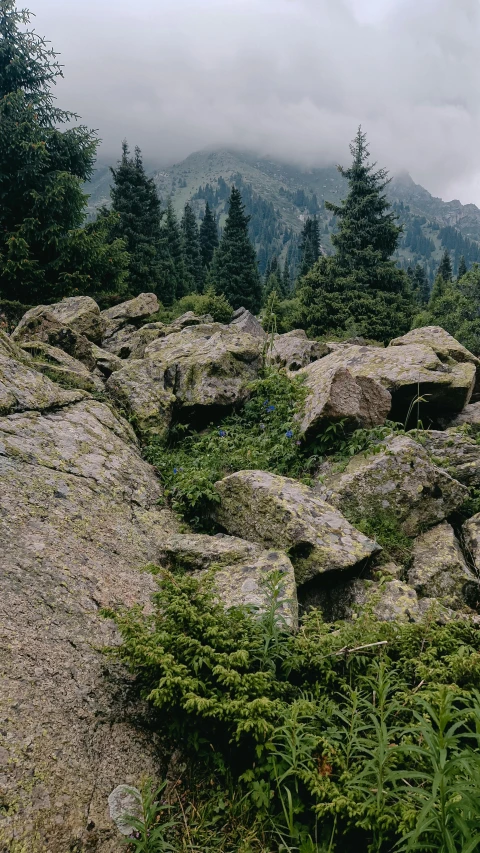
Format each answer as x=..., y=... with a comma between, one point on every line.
x=290, y=79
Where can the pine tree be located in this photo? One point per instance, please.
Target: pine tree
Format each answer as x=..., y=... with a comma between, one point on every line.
x=286, y=280
x=462, y=268
x=445, y=268
x=208, y=236
x=234, y=269
x=42, y=171
x=309, y=245
x=137, y=207
x=191, y=251
x=174, y=265
x=359, y=289
x=420, y=284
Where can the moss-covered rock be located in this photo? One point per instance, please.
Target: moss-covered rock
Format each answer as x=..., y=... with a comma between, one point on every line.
x=439, y=569
x=61, y=367
x=22, y=388
x=294, y=350
x=457, y=453
x=278, y=512
x=80, y=313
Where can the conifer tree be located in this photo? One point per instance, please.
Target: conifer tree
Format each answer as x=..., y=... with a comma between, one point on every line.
x=445, y=268
x=309, y=245
x=234, y=269
x=286, y=280
x=420, y=284
x=42, y=170
x=137, y=207
x=173, y=255
x=191, y=251
x=208, y=236
x=462, y=268
x=359, y=289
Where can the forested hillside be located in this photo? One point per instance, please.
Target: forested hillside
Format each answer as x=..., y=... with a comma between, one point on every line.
x=280, y=197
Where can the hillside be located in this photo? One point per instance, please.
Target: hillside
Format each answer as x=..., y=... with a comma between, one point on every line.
x=279, y=197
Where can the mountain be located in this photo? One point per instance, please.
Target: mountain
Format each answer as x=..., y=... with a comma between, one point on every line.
x=279, y=197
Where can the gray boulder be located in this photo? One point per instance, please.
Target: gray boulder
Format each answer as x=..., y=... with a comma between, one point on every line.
x=41, y=325
x=471, y=539
x=23, y=388
x=294, y=350
x=140, y=389
x=61, y=367
x=80, y=313
x=240, y=570
x=440, y=341
x=469, y=417
x=78, y=519
x=143, y=305
x=397, y=481
x=455, y=452
x=121, y=322
x=278, y=512
x=125, y=802
x=439, y=569
x=246, y=322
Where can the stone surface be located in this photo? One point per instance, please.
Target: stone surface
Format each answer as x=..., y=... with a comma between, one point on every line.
x=80, y=313
x=125, y=802
x=439, y=569
x=11, y=349
x=144, y=305
x=442, y=343
x=240, y=569
x=398, y=481
x=457, y=453
x=61, y=367
x=405, y=371
x=40, y=325
x=144, y=336
x=336, y=395
x=202, y=369
x=471, y=539
x=246, y=322
x=278, y=512
x=78, y=519
x=106, y=362
x=22, y=388
x=391, y=601
x=294, y=350
x=470, y=416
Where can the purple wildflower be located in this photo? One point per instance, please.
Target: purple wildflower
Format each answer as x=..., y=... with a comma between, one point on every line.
x=289, y=433
x=222, y=433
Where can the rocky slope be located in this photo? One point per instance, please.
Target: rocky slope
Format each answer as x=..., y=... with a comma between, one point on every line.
x=81, y=513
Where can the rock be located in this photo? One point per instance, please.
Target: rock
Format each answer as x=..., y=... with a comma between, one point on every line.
x=442, y=343
x=61, y=367
x=202, y=369
x=294, y=350
x=124, y=802
x=78, y=519
x=106, y=362
x=117, y=338
x=142, y=306
x=397, y=482
x=240, y=569
x=22, y=388
x=190, y=319
x=439, y=569
x=278, y=512
x=246, y=322
x=470, y=417
x=43, y=326
x=144, y=336
x=336, y=395
x=456, y=453
x=80, y=313
x=405, y=371
x=471, y=539
x=390, y=600
x=9, y=348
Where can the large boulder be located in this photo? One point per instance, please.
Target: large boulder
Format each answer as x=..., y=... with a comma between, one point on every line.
x=143, y=305
x=397, y=481
x=471, y=539
x=294, y=350
x=41, y=325
x=442, y=343
x=469, y=417
x=457, y=453
x=80, y=313
x=61, y=367
x=202, y=370
x=121, y=322
x=406, y=372
x=23, y=388
x=246, y=322
x=439, y=569
x=240, y=569
x=334, y=394
x=78, y=519
x=278, y=512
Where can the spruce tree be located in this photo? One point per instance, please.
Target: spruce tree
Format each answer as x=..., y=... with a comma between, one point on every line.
x=309, y=245
x=191, y=251
x=462, y=268
x=172, y=252
x=42, y=170
x=234, y=269
x=445, y=268
x=137, y=207
x=286, y=280
x=360, y=289
x=420, y=285
x=208, y=236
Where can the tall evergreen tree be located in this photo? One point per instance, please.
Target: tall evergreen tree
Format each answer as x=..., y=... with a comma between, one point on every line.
x=360, y=288
x=42, y=170
x=137, y=207
x=191, y=251
x=309, y=245
x=420, y=284
x=173, y=255
x=208, y=236
x=462, y=268
x=445, y=268
x=286, y=280
x=234, y=269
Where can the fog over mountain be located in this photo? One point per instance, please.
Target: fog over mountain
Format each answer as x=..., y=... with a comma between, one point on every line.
x=289, y=78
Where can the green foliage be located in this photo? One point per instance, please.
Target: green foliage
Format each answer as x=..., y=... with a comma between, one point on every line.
x=445, y=270
x=234, y=268
x=192, y=254
x=150, y=830
x=455, y=305
x=208, y=236
x=309, y=245
x=174, y=286
x=346, y=737
x=209, y=302
x=264, y=435
x=11, y=313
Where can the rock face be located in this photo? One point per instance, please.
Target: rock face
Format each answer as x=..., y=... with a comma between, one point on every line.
x=471, y=536
x=336, y=395
x=399, y=482
x=201, y=369
x=22, y=388
x=278, y=512
x=61, y=367
x=80, y=313
x=470, y=416
x=439, y=569
x=442, y=343
x=121, y=322
x=457, y=453
x=246, y=322
x=294, y=350
x=40, y=324
x=142, y=306
x=78, y=519
x=241, y=569
x=405, y=371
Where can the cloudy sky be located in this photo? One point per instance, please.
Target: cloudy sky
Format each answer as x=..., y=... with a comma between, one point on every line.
x=288, y=78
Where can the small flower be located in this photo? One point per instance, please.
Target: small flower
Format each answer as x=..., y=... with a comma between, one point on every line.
x=265, y=403
x=262, y=426
x=222, y=433
x=298, y=443
x=271, y=409
x=175, y=470
x=289, y=433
